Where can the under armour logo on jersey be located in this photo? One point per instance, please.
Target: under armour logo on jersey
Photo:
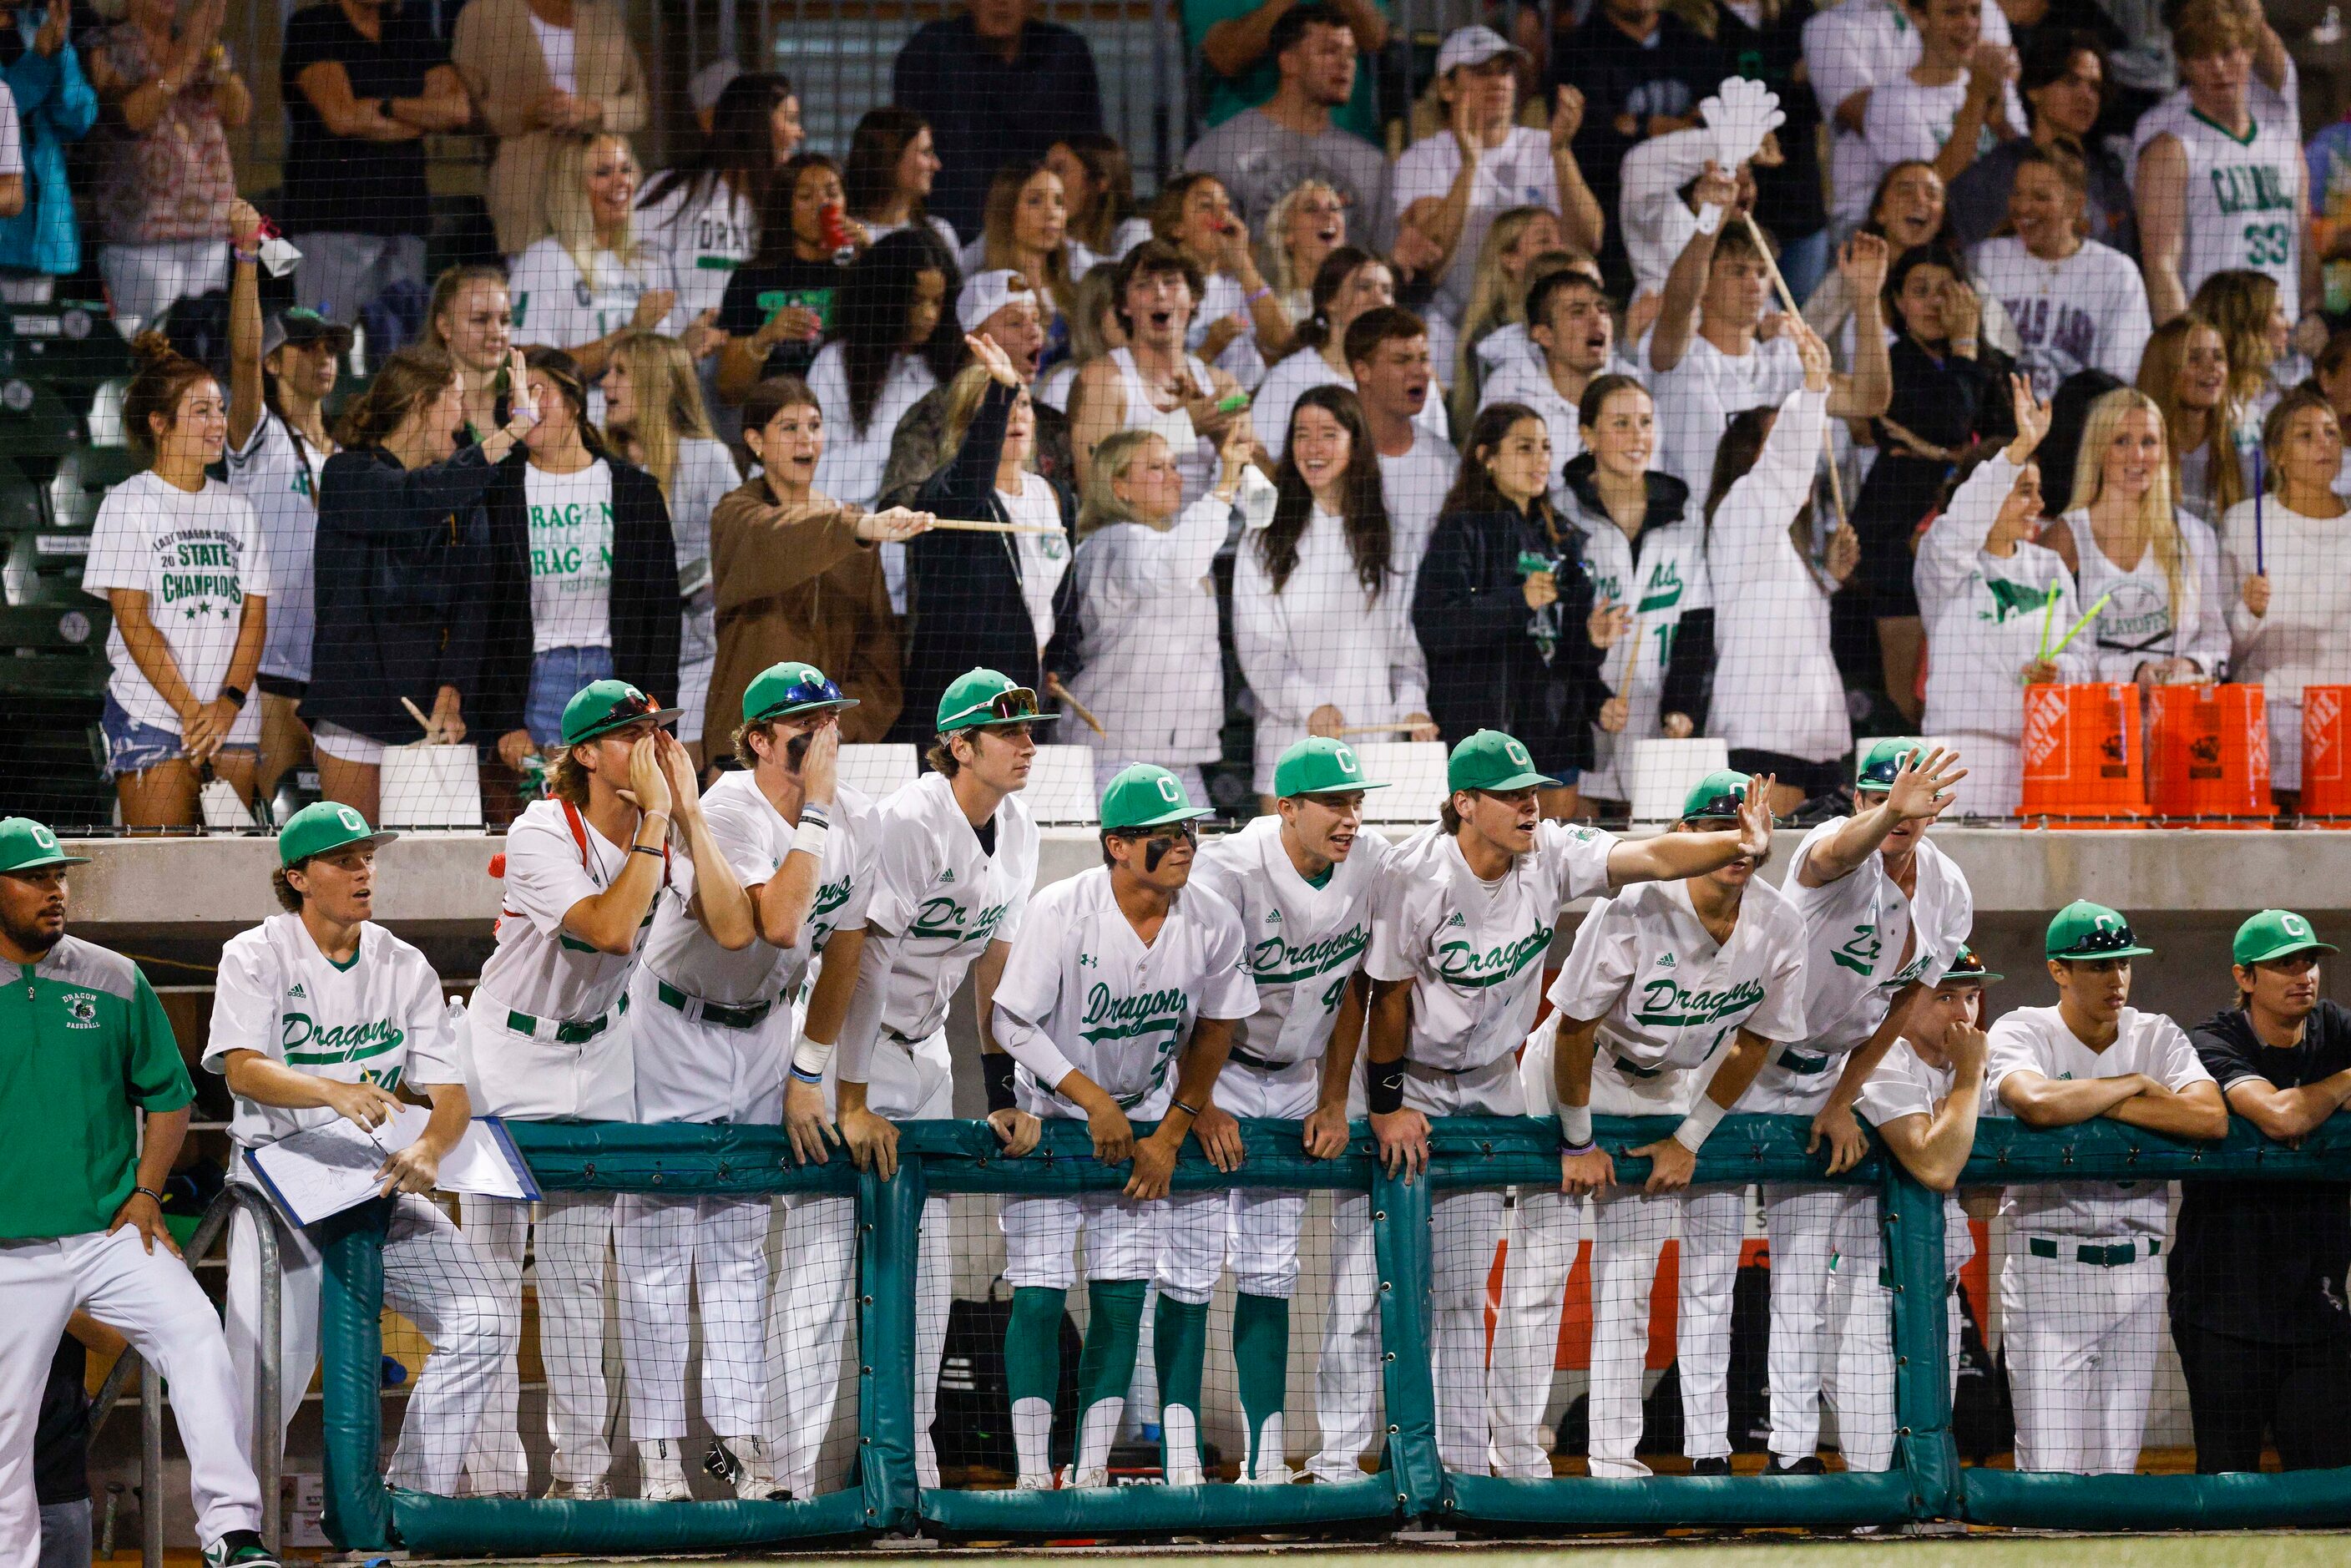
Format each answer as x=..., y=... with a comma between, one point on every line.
x=297, y=990
x=1086, y=961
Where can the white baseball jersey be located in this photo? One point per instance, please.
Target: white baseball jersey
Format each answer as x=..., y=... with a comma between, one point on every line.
x=1304, y=942
x=555, y=858
x=2036, y=1040
x=942, y=898
x=1081, y=986
x=379, y=1020
x=1904, y=1085
x=2085, y=312
x=1474, y=949
x=2243, y=195
x=1669, y=996
x=1864, y=941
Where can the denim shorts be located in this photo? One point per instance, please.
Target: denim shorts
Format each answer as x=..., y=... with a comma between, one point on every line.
x=134, y=747
x=557, y=676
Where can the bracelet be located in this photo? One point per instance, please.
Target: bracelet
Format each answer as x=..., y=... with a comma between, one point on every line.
x=809, y=838
x=150, y=1191
x=653, y=850
x=816, y=812
x=1264, y=291
x=808, y=1059
x=995, y=1072
x=245, y=257
x=1576, y=1129
x=1698, y=1123
x=1191, y=1110
x=1384, y=1087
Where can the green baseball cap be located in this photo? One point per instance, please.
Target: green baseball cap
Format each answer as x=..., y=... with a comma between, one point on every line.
x=1717, y=795
x=1877, y=763
x=29, y=845
x=601, y=705
x=323, y=826
x=781, y=691
x=1489, y=760
x=1970, y=966
x=978, y=697
x=1146, y=796
x=2274, y=934
x=1319, y=765
x=2086, y=930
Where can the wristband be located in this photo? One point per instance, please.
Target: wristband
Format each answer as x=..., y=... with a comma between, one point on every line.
x=996, y=1072
x=1698, y=1123
x=1264, y=290
x=1384, y=1087
x=1709, y=218
x=1575, y=1128
x=150, y=1191
x=1191, y=1110
x=816, y=812
x=809, y=839
x=653, y=849
x=245, y=257
x=809, y=1058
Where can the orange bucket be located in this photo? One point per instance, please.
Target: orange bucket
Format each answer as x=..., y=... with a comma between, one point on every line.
x=2325, y=751
x=2080, y=754
x=2210, y=753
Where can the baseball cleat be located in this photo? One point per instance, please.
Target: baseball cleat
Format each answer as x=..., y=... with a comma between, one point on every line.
x=662, y=1473
x=596, y=1490
x=741, y=1464
x=240, y=1549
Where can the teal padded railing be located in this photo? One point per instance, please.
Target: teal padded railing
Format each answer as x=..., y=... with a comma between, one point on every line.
x=937, y=1158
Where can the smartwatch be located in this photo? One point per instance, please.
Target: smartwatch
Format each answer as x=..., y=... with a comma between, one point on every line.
x=234, y=695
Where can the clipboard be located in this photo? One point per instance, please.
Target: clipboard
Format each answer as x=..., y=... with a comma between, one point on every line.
x=323, y=1171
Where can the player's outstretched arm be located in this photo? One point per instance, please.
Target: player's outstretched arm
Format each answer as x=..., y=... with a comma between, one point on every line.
x=1921, y=790
x=1835, y=1121
x=1935, y=1148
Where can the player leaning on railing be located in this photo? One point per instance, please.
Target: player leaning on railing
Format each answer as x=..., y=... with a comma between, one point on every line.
x=1662, y=978
x=1460, y=927
x=320, y=1015
x=1119, y=1002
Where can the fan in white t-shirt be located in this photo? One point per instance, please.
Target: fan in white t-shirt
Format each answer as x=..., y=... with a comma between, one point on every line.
x=2077, y=305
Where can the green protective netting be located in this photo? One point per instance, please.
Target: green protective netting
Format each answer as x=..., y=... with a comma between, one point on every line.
x=362, y=1514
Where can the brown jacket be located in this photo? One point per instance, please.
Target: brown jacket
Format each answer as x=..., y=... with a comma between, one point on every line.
x=799, y=584
x=497, y=54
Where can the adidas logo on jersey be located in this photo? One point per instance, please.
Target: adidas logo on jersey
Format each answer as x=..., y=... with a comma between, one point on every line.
x=1665, y=962
x=297, y=991
x=947, y=875
x=1274, y=917
x=1457, y=920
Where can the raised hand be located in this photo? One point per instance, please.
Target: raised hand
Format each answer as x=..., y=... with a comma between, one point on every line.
x=2032, y=419
x=998, y=363
x=647, y=787
x=1862, y=264
x=1566, y=118
x=1923, y=785
x=1755, y=817
x=653, y=307
x=244, y=221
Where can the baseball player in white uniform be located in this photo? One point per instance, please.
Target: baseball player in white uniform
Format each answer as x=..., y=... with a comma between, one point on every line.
x=2081, y=1291
x=711, y=1037
x=1119, y=1002
x=1923, y=1100
x=1301, y=881
x=956, y=859
x=1884, y=913
x=320, y=1015
x=548, y=1031
x=1460, y=924
x=1663, y=976
x=83, y=1047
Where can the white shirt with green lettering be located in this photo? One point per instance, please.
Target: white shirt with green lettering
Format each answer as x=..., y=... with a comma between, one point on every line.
x=1082, y=990
x=1660, y=580
x=571, y=520
x=1668, y=994
x=197, y=558
x=1856, y=931
x=2243, y=192
x=381, y=1019
x=1474, y=950
x=1304, y=942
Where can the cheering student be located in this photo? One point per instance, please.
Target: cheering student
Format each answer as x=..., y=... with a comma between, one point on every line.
x=1154, y=381
x=1573, y=338
x=2077, y=304
x=1238, y=326
x=470, y=318
x=703, y=215
x=2185, y=370
x=2000, y=603
x=1350, y=282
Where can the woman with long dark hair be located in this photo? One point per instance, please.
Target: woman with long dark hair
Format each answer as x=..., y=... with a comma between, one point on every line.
x=894, y=339
x=887, y=180
x=703, y=215
x=1505, y=608
x=779, y=304
x=583, y=571
x=1350, y=281
x=1321, y=606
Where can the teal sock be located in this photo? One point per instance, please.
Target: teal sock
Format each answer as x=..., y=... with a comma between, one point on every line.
x=1113, y=1329
x=1261, y=1357
x=1179, y=1344
x=1032, y=1344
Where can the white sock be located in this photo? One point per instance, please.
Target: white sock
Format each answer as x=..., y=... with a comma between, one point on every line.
x=1097, y=1430
x=1179, y=1430
x=1032, y=1435
x=1272, y=1457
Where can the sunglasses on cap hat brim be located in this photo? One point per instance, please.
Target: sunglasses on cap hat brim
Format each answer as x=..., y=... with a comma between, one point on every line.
x=2110, y=941
x=639, y=709
x=807, y=694
x=1014, y=705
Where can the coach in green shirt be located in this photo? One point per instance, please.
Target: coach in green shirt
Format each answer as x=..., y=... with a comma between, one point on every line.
x=83, y=1044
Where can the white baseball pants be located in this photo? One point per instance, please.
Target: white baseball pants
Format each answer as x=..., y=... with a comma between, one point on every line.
x=1347, y=1393
x=717, y=1246
x=158, y=1307
x=1803, y=1221
x=1858, y=1379
x=1629, y=1230
x=433, y=1277
x=1546, y=1232
x=570, y=1251
x=1255, y=1229
x=2081, y=1341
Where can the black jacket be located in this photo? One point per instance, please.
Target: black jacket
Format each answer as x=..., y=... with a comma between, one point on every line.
x=964, y=607
x=1690, y=668
x=1493, y=664
x=400, y=569
x=646, y=611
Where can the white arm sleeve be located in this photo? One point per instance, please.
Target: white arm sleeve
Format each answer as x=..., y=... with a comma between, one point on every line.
x=863, y=1021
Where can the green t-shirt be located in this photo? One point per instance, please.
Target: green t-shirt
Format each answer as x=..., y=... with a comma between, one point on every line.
x=83, y=1040
x=1228, y=96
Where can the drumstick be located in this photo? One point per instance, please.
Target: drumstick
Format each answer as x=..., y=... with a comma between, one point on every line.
x=2084, y=620
x=1788, y=298
x=417, y=713
x=1401, y=728
x=1054, y=688
x=958, y=524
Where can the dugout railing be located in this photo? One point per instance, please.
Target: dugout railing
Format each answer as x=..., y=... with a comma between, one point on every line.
x=1927, y=1482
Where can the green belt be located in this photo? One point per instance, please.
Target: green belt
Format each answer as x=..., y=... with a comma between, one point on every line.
x=1802, y=1065
x=568, y=1033
x=749, y=1015
x=2112, y=1257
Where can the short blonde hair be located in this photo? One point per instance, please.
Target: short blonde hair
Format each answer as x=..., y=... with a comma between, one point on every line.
x=569, y=216
x=1101, y=505
x=964, y=394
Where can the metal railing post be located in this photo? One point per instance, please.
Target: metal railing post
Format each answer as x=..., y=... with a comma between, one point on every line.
x=151, y=1466
x=269, y=1396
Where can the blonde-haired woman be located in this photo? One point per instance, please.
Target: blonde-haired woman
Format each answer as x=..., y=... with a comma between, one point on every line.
x=654, y=416
x=2186, y=371
x=2289, y=610
x=1024, y=225
x=2151, y=573
x=1497, y=298
x=1304, y=227
x=1148, y=606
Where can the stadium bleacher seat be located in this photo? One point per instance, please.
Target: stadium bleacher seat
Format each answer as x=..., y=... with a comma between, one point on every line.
x=81, y=482
x=72, y=345
x=21, y=505
x=106, y=426
x=35, y=425
x=1060, y=791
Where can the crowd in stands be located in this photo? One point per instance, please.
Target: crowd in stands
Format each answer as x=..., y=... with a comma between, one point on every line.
x=1552, y=419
